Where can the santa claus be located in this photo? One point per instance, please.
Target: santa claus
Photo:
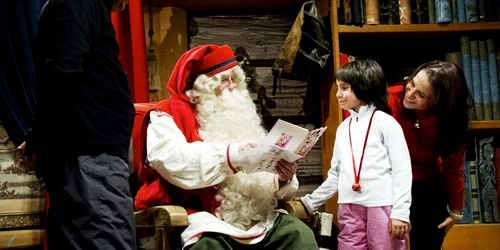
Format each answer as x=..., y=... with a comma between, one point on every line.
x=193, y=145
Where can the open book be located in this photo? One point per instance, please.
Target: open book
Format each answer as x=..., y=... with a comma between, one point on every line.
x=285, y=141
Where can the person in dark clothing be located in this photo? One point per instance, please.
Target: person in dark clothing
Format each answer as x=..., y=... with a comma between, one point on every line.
x=80, y=135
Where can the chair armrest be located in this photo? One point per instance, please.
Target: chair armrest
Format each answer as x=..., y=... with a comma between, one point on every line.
x=296, y=209
x=162, y=216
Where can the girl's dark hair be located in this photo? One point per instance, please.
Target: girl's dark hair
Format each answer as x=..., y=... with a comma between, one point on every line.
x=367, y=81
x=451, y=102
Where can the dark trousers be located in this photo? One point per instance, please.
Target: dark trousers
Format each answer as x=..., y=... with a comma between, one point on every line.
x=287, y=233
x=90, y=204
x=427, y=211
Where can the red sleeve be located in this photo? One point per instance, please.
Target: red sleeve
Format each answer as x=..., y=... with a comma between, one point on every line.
x=453, y=169
x=396, y=88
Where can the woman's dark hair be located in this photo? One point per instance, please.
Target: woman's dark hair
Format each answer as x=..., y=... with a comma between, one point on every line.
x=451, y=102
x=367, y=81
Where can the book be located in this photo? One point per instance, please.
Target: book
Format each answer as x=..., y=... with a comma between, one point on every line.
x=284, y=141
x=476, y=80
x=492, y=73
x=485, y=81
x=467, y=68
x=443, y=10
x=468, y=205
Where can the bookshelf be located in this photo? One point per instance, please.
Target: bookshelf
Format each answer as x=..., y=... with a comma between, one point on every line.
x=462, y=236
x=475, y=125
x=416, y=28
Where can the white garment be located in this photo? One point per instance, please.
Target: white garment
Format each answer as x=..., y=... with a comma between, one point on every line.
x=199, y=165
x=386, y=176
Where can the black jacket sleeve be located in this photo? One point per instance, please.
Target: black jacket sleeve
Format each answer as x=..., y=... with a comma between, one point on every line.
x=63, y=42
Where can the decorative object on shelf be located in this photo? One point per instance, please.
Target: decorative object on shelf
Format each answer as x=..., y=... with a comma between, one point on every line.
x=487, y=186
x=443, y=11
x=372, y=12
x=22, y=195
x=471, y=11
x=322, y=228
x=404, y=11
x=6, y=145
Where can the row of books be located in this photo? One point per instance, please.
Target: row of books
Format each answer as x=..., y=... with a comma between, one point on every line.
x=481, y=65
x=482, y=183
x=360, y=12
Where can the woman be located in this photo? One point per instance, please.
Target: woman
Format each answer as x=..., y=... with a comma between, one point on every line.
x=432, y=110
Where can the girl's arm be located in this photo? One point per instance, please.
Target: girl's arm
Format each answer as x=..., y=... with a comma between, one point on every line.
x=330, y=186
x=399, y=156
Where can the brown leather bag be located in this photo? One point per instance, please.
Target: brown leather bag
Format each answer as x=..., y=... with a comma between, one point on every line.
x=306, y=48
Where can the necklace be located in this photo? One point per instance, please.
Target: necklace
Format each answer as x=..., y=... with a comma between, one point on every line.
x=417, y=125
x=356, y=187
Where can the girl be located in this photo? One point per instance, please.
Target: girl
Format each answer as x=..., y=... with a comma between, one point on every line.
x=370, y=168
x=432, y=110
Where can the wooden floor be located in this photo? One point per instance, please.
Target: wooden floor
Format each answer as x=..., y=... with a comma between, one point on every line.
x=472, y=237
x=460, y=237
x=21, y=239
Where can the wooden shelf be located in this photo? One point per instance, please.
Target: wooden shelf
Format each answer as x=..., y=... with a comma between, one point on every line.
x=416, y=28
x=472, y=237
x=225, y=4
x=485, y=124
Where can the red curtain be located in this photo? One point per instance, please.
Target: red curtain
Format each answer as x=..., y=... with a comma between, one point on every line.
x=130, y=34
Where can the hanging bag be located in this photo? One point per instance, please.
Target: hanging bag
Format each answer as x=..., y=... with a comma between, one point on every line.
x=306, y=48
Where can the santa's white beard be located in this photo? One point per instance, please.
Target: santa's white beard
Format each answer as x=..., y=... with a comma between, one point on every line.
x=246, y=200
x=232, y=118
x=229, y=118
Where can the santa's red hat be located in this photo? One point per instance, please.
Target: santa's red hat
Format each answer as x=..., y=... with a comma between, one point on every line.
x=205, y=59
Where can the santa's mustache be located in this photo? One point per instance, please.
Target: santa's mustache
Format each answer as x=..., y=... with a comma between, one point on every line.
x=232, y=99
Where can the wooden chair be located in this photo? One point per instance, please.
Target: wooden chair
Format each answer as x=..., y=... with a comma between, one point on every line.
x=170, y=220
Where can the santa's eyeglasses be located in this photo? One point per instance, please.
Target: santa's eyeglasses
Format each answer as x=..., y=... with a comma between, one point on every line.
x=231, y=80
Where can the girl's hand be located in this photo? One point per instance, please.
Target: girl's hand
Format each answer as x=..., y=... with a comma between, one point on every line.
x=398, y=228
x=447, y=224
x=309, y=214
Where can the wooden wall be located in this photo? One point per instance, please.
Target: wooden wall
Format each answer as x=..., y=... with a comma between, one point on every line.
x=169, y=42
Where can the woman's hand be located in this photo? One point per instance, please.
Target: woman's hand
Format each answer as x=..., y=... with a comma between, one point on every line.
x=447, y=224
x=398, y=228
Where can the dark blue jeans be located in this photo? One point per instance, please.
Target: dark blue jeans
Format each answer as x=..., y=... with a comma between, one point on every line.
x=90, y=204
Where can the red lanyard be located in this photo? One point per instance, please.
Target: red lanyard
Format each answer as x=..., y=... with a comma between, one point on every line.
x=356, y=187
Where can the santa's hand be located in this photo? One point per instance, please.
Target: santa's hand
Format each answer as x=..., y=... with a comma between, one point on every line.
x=244, y=146
x=285, y=170
x=249, y=156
